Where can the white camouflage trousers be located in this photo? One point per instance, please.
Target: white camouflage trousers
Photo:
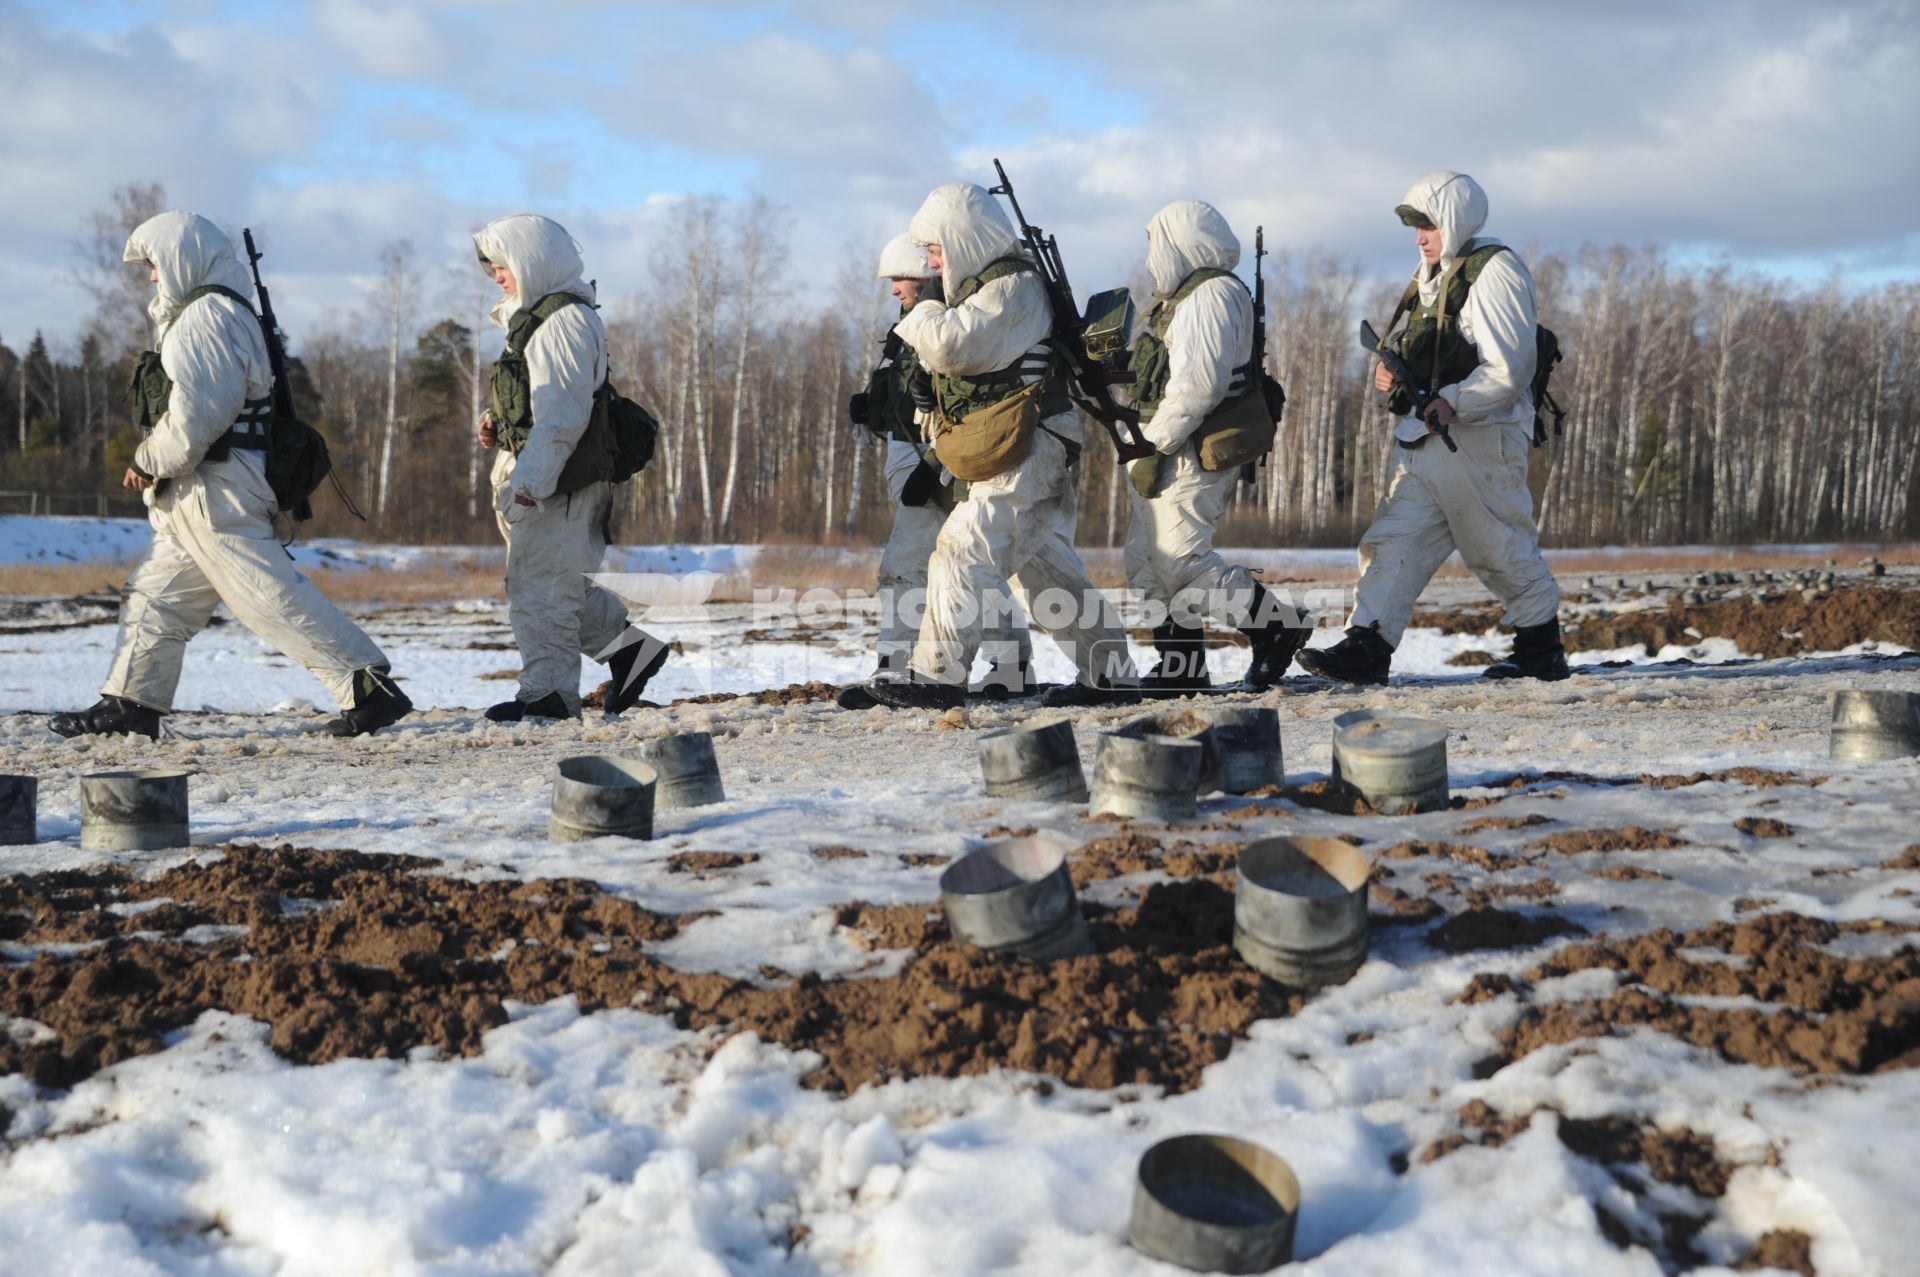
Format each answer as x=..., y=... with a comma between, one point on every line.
x=902, y=584
x=1170, y=559
x=213, y=543
x=558, y=615
x=1018, y=527
x=1476, y=501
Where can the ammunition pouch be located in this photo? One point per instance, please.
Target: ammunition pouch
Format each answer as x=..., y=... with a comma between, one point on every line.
x=1240, y=430
x=990, y=441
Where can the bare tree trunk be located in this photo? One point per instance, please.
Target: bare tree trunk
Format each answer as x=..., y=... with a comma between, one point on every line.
x=395, y=269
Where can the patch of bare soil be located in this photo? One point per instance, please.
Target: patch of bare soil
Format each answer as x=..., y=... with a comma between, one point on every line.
x=1638, y=1155
x=390, y=959
x=1134, y=852
x=792, y=694
x=838, y=853
x=1785, y=624
x=1908, y=859
x=1763, y=827
x=1485, y=987
x=1758, y=777
x=1836, y=1015
x=922, y=859
x=1485, y=824
x=1632, y=838
x=1787, y=1249
x=702, y=863
x=1464, y=853
x=1394, y=907
x=1485, y=927
x=1472, y=657
x=1324, y=795
x=1629, y=873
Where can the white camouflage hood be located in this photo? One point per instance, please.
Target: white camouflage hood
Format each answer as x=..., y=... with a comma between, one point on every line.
x=1185, y=236
x=190, y=252
x=544, y=259
x=904, y=259
x=970, y=228
x=1456, y=206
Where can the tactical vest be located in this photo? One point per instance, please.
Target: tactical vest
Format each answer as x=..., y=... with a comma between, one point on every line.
x=1432, y=343
x=958, y=396
x=151, y=390
x=1151, y=363
x=511, y=391
x=889, y=403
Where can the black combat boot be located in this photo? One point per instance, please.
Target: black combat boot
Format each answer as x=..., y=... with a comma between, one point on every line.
x=1537, y=653
x=1077, y=694
x=1361, y=657
x=917, y=693
x=377, y=702
x=551, y=706
x=1273, y=640
x=638, y=659
x=1006, y=681
x=1183, y=660
x=110, y=716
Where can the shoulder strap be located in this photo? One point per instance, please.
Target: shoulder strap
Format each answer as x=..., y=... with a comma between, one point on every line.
x=203, y=291
x=1197, y=278
x=520, y=328
x=1476, y=261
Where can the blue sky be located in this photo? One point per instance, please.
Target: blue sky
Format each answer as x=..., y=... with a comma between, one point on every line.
x=1780, y=137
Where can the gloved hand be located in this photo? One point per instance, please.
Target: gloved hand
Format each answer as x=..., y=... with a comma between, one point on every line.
x=1439, y=415
x=920, y=387
x=920, y=486
x=1144, y=474
x=857, y=408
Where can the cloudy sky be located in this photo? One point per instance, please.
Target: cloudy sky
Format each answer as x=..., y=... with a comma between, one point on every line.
x=1782, y=136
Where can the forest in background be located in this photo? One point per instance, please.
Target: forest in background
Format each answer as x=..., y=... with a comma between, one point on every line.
x=1705, y=404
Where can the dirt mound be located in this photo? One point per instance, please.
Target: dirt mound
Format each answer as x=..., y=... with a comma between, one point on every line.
x=1836, y=1015
x=354, y=955
x=1574, y=842
x=1763, y=827
x=1472, y=657
x=792, y=694
x=1489, y=928
x=1133, y=852
x=1774, y=625
x=1908, y=859
x=1783, y=1248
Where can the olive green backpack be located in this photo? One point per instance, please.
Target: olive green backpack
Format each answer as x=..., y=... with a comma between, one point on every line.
x=620, y=437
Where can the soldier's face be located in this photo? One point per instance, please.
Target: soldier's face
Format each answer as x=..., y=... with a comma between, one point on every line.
x=1428, y=238
x=935, y=258
x=502, y=276
x=153, y=273
x=906, y=291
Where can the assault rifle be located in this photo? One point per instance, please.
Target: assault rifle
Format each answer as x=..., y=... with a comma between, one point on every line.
x=270, y=329
x=1258, y=361
x=1397, y=368
x=297, y=457
x=1090, y=379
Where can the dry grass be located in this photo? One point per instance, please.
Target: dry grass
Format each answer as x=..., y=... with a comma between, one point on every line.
x=425, y=584
x=64, y=580
x=801, y=568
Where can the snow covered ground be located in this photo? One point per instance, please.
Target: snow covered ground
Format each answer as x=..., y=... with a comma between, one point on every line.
x=616, y=1143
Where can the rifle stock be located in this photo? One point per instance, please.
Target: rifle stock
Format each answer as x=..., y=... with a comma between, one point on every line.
x=1091, y=381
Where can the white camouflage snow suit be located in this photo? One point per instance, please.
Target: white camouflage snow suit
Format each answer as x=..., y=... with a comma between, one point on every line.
x=213, y=533
x=902, y=584
x=1017, y=526
x=557, y=613
x=1169, y=549
x=1475, y=500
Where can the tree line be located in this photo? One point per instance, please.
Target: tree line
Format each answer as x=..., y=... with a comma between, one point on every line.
x=1705, y=404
